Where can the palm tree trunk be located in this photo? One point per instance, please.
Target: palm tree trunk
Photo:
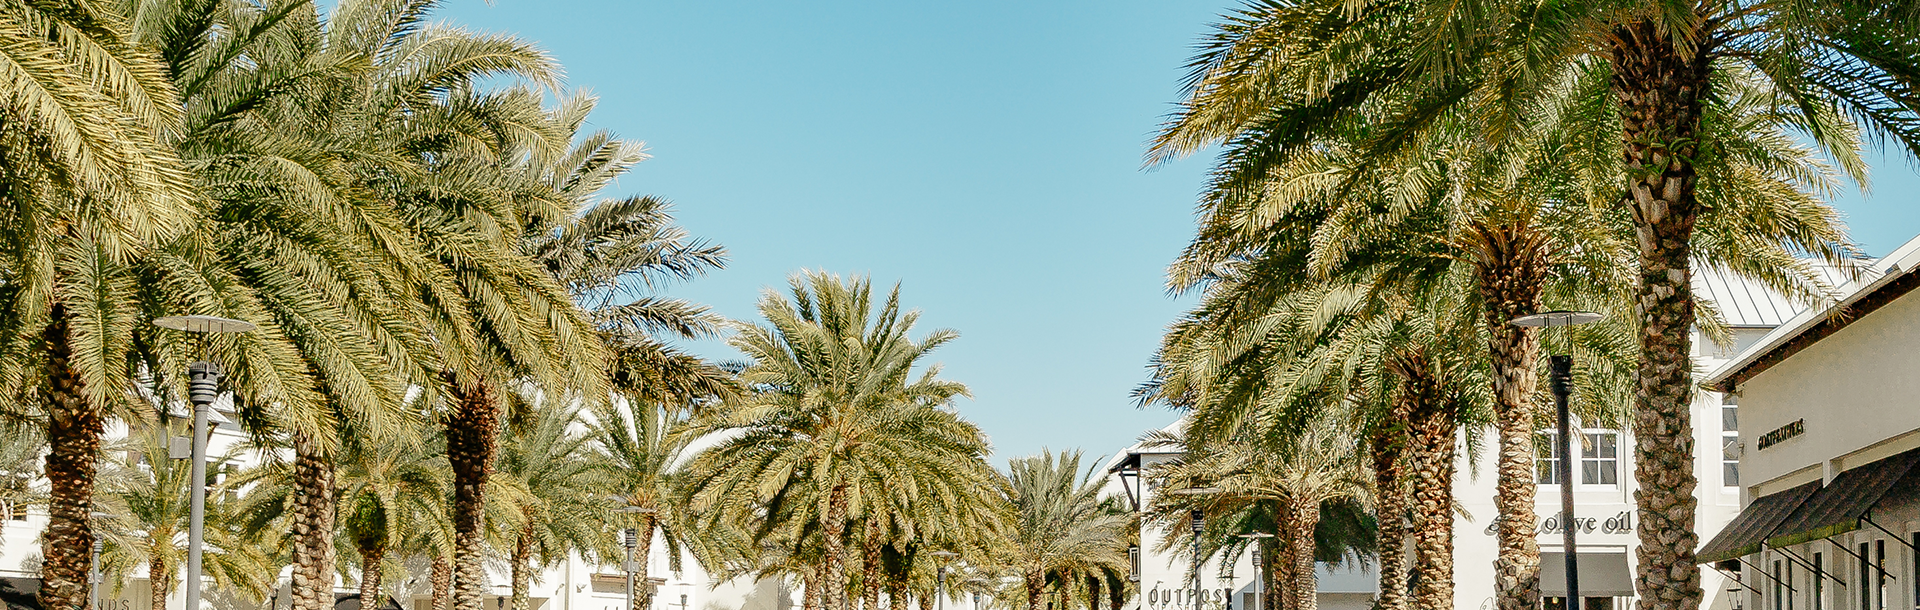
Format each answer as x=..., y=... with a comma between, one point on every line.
x=642, y=550
x=834, y=533
x=810, y=599
x=1280, y=584
x=522, y=576
x=472, y=436
x=1661, y=84
x=441, y=578
x=158, y=576
x=1306, y=585
x=1387, y=445
x=313, y=517
x=74, y=426
x=1036, y=589
x=1434, y=428
x=870, y=570
x=371, y=558
x=1511, y=269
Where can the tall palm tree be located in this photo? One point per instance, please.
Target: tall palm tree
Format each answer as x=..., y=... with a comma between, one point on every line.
x=147, y=516
x=91, y=182
x=1060, y=528
x=836, y=423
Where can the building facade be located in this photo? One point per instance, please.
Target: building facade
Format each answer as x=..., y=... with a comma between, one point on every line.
x=1831, y=474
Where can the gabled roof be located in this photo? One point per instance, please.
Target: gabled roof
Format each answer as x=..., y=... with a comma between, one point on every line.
x=1888, y=279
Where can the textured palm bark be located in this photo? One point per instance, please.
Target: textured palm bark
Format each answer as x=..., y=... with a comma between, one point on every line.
x=371, y=569
x=1281, y=584
x=925, y=602
x=1306, y=586
x=440, y=575
x=643, y=590
x=311, y=585
x=1661, y=84
x=1036, y=590
x=74, y=426
x=159, y=582
x=834, y=532
x=472, y=435
x=1434, y=427
x=1510, y=266
x=810, y=599
x=870, y=569
x=1387, y=447
x=522, y=573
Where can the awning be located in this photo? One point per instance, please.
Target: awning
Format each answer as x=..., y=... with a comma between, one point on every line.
x=1757, y=522
x=1838, y=508
x=1603, y=573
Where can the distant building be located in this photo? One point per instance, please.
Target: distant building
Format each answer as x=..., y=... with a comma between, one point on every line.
x=1603, y=496
x=1830, y=479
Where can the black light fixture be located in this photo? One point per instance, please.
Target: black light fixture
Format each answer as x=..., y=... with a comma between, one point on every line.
x=1561, y=380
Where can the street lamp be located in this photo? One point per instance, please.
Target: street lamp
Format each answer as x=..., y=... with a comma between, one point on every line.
x=1562, y=383
x=95, y=577
x=1259, y=575
x=203, y=385
x=940, y=577
x=1199, y=523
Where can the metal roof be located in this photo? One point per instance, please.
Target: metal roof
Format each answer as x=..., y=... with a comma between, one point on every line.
x=1879, y=275
x=1744, y=302
x=1755, y=524
x=1838, y=508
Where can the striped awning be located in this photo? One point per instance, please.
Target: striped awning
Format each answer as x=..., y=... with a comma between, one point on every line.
x=1839, y=508
x=1755, y=524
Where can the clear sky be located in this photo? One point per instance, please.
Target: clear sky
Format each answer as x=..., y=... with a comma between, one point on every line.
x=985, y=154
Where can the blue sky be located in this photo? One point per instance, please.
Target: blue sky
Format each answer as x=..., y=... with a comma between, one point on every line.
x=985, y=154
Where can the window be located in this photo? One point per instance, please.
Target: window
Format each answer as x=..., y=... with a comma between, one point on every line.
x=1547, y=458
x=1600, y=459
x=1779, y=588
x=1880, y=574
x=1865, y=577
x=1819, y=583
x=1729, y=441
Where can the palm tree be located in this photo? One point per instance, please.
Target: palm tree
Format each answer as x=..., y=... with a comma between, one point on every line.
x=388, y=494
x=145, y=500
x=835, y=424
x=561, y=495
x=1646, y=73
x=638, y=455
x=91, y=182
x=1060, y=528
x=20, y=449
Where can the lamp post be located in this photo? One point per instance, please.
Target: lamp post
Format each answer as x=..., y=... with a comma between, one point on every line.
x=94, y=576
x=940, y=577
x=203, y=385
x=1199, y=523
x=1561, y=380
x=1259, y=575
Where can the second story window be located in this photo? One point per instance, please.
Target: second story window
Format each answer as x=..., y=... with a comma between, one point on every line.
x=1600, y=459
x=1546, y=458
x=1729, y=440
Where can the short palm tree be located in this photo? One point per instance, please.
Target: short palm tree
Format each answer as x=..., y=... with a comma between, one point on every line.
x=1059, y=528
x=388, y=494
x=836, y=423
x=562, y=496
x=147, y=516
x=638, y=457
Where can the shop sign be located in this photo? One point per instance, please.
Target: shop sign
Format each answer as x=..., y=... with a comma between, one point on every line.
x=1797, y=428
x=1620, y=523
x=1162, y=597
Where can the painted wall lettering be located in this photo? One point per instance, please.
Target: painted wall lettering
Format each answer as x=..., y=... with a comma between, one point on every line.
x=1797, y=428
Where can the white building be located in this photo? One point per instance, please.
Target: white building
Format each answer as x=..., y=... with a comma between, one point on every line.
x=1603, y=497
x=1831, y=474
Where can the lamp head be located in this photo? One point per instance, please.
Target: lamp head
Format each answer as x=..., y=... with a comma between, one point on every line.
x=204, y=324
x=1556, y=318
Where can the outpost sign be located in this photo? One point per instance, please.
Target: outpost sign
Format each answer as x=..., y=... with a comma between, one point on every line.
x=1160, y=597
x=1621, y=523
